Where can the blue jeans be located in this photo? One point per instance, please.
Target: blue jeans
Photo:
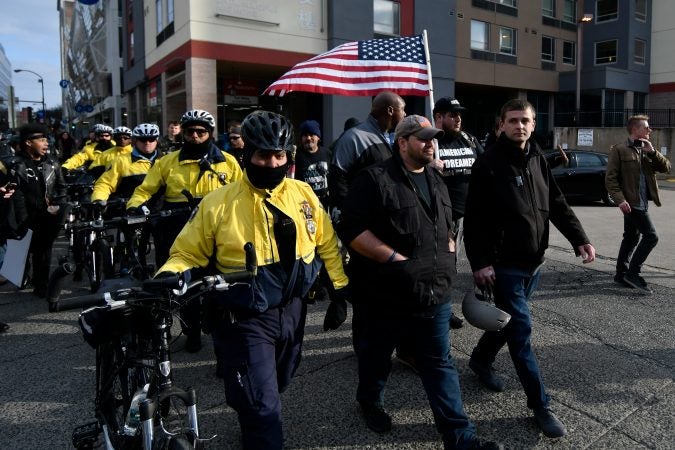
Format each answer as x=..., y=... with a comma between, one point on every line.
x=512, y=291
x=429, y=339
x=636, y=223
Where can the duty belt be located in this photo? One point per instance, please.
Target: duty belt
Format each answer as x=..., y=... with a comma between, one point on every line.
x=455, y=172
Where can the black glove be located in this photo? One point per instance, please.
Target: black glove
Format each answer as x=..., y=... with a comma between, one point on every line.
x=97, y=207
x=134, y=211
x=337, y=310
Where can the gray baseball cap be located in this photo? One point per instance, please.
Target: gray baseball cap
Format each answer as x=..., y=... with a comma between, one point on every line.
x=417, y=125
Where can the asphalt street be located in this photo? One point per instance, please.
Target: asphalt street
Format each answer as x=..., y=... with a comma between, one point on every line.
x=606, y=353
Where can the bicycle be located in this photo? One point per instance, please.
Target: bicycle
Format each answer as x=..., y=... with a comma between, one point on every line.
x=108, y=249
x=136, y=403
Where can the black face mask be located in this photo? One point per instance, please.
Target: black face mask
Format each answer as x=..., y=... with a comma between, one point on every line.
x=190, y=150
x=266, y=177
x=104, y=145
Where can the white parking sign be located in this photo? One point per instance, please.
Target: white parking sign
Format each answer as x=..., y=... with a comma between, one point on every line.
x=584, y=137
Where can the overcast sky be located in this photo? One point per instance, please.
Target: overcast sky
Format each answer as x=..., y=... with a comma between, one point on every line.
x=29, y=32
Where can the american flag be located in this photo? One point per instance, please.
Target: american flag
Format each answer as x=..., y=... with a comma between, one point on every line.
x=361, y=68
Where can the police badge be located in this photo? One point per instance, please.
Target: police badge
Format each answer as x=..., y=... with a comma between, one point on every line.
x=309, y=218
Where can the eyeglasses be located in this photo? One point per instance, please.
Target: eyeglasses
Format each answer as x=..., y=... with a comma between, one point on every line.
x=234, y=138
x=146, y=139
x=200, y=131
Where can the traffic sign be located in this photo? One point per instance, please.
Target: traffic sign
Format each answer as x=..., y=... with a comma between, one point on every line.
x=64, y=83
x=40, y=114
x=79, y=108
x=89, y=108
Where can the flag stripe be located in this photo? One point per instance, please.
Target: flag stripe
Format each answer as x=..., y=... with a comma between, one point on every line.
x=336, y=72
x=360, y=65
x=370, y=78
x=361, y=68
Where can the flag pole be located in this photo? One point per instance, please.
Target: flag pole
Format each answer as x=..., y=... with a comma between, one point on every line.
x=431, y=86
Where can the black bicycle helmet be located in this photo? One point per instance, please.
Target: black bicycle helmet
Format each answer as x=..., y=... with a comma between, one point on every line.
x=198, y=116
x=266, y=130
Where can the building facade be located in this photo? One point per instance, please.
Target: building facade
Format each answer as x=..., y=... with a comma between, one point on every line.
x=91, y=62
x=169, y=56
x=7, y=116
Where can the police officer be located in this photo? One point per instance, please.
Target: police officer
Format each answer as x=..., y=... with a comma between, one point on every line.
x=103, y=161
x=186, y=176
x=90, y=151
x=129, y=169
x=260, y=348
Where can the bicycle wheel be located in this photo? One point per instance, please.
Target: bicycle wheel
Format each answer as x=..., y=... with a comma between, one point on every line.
x=92, y=264
x=116, y=384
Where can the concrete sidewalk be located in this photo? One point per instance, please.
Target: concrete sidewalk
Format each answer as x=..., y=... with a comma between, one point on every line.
x=607, y=356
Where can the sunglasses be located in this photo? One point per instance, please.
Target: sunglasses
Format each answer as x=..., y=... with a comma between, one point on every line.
x=234, y=138
x=200, y=131
x=146, y=139
x=120, y=137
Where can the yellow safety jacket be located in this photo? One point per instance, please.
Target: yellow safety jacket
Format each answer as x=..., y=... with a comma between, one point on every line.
x=88, y=154
x=104, y=160
x=124, y=175
x=175, y=174
x=236, y=214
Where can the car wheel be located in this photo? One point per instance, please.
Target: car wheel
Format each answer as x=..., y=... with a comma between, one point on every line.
x=607, y=199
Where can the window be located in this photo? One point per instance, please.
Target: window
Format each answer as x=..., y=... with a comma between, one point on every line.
x=607, y=10
x=479, y=35
x=387, y=17
x=569, y=53
x=507, y=40
x=547, y=48
x=639, y=56
x=160, y=16
x=169, y=11
x=605, y=52
x=570, y=11
x=548, y=8
x=641, y=10
x=506, y=2
x=639, y=101
x=589, y=160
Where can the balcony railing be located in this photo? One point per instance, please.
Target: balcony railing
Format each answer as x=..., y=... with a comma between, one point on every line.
x=658, y=118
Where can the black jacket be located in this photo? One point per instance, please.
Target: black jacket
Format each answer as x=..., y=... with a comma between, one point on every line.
x=512, y=197
x=384, y=200
x=40, y=182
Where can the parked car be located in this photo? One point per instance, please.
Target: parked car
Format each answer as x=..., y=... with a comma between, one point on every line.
x=583, y=177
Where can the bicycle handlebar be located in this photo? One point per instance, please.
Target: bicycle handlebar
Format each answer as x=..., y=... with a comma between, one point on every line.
x=126, y=221
x=81, y=302
x=174, y=282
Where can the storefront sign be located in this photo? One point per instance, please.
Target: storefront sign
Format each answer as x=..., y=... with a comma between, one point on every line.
x=241, y=92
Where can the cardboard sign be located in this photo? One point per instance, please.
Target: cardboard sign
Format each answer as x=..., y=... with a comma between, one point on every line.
x=15, y=259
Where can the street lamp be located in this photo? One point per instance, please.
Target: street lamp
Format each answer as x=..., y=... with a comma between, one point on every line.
x=42, y=82
x=586, y=18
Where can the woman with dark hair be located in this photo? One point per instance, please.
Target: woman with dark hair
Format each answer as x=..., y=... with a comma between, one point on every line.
x=65, y=144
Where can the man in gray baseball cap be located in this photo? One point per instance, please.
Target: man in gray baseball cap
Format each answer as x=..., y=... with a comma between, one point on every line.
x=396, y=221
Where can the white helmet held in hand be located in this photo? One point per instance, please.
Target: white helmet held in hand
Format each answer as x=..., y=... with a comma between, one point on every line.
x=480, y=312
